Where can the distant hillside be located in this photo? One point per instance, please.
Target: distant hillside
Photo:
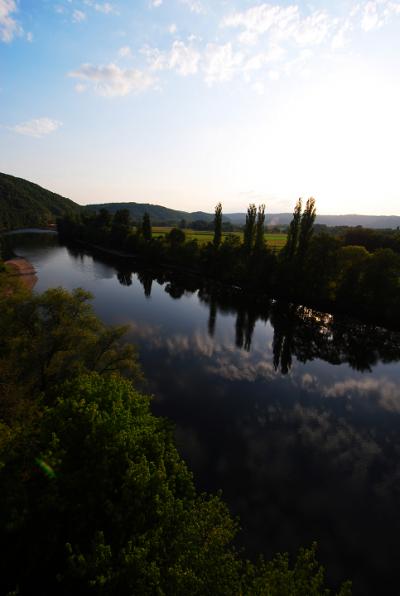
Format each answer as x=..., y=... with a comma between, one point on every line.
x=24, y=204
x=163, y=215
x=158, y=214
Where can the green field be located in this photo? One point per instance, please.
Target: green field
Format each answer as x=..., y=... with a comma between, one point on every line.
x=275, y=241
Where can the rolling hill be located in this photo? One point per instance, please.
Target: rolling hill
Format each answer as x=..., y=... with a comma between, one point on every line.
x=163, y=215
x=24, y=204
x=158, y=214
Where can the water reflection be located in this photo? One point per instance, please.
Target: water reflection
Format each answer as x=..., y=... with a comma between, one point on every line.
x=295, y=414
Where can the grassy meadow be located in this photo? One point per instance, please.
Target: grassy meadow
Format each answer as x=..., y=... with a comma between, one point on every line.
x=274, y=241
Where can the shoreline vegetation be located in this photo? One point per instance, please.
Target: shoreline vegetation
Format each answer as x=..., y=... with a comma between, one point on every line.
x=95, y=497
x=355, y=274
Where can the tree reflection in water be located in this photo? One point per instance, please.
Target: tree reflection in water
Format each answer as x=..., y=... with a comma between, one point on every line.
x=299, y=332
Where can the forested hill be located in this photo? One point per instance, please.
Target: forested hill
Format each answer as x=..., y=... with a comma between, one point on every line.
x=158, y=214
x=163, y=215
x=24, y=204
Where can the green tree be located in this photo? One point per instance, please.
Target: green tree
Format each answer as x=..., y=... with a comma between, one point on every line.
x=176, y=237
x=259, y=240
x=101, y=502
x=290, y=248
x=104, y=218
x=95, y=499
x=121, y=218
x=250, y=228
x=218, y=225
x=53, y=336
x=146, y=227
x=306, y=228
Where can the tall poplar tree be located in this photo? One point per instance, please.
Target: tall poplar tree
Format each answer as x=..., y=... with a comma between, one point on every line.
x=259, y=242
x=146, y=226
x=306, y=227
x=250, y=227
x=290, y=247
x=218, y=225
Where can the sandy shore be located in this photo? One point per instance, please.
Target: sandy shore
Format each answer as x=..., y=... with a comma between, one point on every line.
x=23, y=269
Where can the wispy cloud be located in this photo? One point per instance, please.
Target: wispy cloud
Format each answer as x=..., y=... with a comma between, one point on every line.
x=377, y=13
x=78, y=16
x=182, y=58
x=39, y=127
x=112, y=81
x=104, y=7
x=125, y=52
x=9, y=27
x=281, y=24
x=194, y=5
x=220, y=62
x=263, y=43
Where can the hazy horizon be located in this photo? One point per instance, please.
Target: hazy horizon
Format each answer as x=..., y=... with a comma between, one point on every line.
x=184, y=103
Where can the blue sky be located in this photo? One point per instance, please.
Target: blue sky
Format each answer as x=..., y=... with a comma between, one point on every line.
x=188, y=102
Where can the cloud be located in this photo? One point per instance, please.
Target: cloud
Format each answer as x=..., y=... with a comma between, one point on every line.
x=377, y=13
x=182, y=58
x=341, y=37
x=9, y=27
x=271, y=41
x=194, y=5
x=112, y=81
x=259, y=60
x=124, y=52
x=386, y=392
x=281, y=23
x=37, y=128
x=220, y=62
x=104, y=7
x=371, y=18
x=78, y=16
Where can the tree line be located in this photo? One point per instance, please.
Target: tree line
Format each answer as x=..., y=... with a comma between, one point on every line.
x=313, y=268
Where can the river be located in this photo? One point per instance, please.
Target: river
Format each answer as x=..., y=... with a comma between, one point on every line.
x=293, y=414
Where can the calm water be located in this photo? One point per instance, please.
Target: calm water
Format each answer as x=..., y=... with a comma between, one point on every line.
x=294, y=415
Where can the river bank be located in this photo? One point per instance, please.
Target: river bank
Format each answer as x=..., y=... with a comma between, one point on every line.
x=22, y=268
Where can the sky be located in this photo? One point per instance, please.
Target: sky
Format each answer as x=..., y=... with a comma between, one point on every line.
x=185, y=103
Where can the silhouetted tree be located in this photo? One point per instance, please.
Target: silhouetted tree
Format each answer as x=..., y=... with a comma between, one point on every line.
x=146, y=280
x=125, y=278
x=212, y=317
x=176, y=236
x=259, y=241
x=218, y=225
x=122, y=217
x=146, y=226
x=251, y=319
x=306, y=227
x=104, y=218
x=250, y=227
x=290, y=247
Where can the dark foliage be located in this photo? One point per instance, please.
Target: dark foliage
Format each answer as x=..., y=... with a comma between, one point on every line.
x=24, y=204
